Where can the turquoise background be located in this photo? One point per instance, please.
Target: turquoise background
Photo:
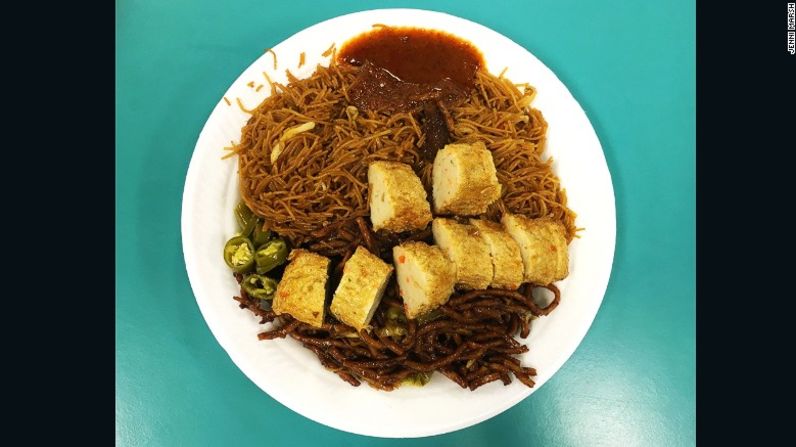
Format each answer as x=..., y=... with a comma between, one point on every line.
x=632, y=67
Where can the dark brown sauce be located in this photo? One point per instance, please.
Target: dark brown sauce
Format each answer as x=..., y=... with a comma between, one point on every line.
x=416, y=55
x=375, y=88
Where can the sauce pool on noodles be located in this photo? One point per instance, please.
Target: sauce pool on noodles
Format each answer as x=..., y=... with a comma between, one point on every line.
x=416, y=55
x=407, y=69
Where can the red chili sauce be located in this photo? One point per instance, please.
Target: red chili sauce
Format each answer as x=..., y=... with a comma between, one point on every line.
x=416, y=55
x=414, y=70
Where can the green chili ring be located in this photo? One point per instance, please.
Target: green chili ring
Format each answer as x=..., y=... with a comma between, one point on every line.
x=239, y=254
x=245, y=218
x=258, y=286
x=271, y=255
x=260, y=236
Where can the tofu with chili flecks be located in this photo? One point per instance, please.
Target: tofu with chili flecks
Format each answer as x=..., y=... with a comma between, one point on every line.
x=302, y=291
x=543, y=246
x=507, y=267
x=464, y=180
x=469, y=252
x=365, y=277
x=396, y=197
x=425, y=277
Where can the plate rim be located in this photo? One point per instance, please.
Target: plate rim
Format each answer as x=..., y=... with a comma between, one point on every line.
x=275, y=393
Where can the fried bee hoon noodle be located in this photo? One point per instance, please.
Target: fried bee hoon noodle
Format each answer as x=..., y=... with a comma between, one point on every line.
x=303, y=162
x=311, y=185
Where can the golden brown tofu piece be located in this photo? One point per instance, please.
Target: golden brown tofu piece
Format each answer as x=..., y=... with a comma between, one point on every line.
x=465, y=180
x=365, y=277
x=508, y=270
x=302, y=290
x=425, y=277
x=543, y=246
x=469, y=252
x=396, y=197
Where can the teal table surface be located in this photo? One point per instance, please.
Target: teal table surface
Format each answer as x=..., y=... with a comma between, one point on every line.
x=631, y=65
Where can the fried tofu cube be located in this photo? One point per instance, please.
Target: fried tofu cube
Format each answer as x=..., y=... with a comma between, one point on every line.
x=543, y=246
x=507, y=267
x=465, y=180
x=425, y=277
x=396, y=197
x=365, y=277
x=469, y=252
x=302, y=291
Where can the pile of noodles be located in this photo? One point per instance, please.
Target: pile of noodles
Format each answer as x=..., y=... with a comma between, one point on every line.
x=317, y=186
x=315, y=195
x=470, y=340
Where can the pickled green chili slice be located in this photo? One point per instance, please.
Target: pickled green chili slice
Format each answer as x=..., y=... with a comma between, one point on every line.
x=271, y=255
x=239, y=254
x=259, y=286
x=417, y=379
x=392, y=329
x=260, y=236
x=395, y=314
x=245, y=218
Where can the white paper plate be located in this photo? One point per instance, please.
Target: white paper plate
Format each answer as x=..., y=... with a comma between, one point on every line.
x=291, y=374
